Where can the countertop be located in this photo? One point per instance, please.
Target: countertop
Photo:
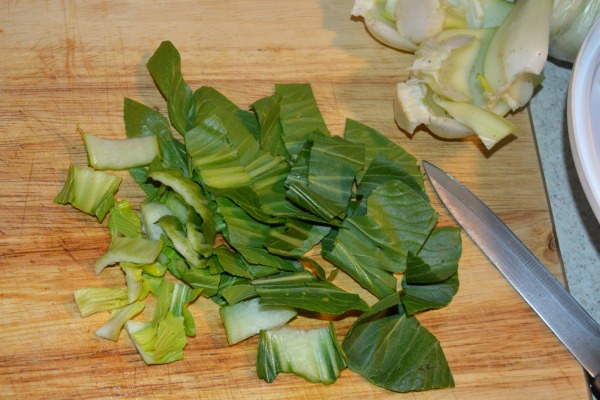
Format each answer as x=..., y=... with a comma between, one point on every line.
x=577, y=229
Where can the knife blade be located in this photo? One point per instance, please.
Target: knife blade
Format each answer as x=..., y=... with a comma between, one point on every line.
x=567, y=319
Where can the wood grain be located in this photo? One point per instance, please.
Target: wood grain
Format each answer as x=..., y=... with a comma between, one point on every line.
x=67, y=64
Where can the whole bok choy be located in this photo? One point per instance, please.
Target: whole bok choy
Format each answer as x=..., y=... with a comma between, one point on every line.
x=476, y=61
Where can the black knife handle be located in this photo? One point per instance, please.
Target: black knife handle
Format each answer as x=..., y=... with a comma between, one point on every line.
x=595, y=385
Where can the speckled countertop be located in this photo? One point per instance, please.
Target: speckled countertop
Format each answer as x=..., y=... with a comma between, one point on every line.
x=577, y=229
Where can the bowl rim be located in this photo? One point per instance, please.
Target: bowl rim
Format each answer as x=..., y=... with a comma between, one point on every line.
x=584, y=86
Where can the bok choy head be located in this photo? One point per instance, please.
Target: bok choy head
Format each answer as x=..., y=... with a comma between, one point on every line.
x=487, y=54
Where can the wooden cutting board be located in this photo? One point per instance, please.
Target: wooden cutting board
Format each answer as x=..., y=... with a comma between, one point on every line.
x=70, y=63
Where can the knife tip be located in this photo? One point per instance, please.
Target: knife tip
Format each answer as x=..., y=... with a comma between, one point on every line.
x=427, y=166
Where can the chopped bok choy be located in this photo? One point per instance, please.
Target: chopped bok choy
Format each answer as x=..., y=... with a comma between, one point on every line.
x=158, y=343
x=90, y=191
x=247, y=318
x=120, y=154
x=234, y=207
x=314, y=354
x=112, y=329
x=96, y=299
x=135, y=250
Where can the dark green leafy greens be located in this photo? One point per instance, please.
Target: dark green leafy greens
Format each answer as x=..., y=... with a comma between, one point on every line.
x=234, y=204
x=408, y=356
x=431, y=277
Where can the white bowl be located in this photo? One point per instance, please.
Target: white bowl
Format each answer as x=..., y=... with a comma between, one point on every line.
x=583, y=116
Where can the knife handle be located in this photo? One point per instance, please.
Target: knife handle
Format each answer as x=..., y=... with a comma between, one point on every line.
x=595, y=385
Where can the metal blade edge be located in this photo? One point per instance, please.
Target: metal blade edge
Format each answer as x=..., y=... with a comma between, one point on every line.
x=574, y=327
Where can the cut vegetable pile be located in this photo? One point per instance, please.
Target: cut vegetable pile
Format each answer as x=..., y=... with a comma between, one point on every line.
x=233, y=206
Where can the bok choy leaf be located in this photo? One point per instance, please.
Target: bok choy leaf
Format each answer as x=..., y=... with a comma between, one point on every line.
x=112, y=329
x=119, y=154
x=160, y=343
x=303, y=290
x=313, y=354
x=136, y=250
x=96, y=299
x=394, y=351
x=90, y=191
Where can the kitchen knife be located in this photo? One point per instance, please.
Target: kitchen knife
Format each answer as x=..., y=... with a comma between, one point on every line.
x=575, y=328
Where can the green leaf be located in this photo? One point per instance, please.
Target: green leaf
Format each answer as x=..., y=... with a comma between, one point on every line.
x=303, y=290
x=421, y=297
x=160, y=343
x=140, y=176
x=227, y=281
x=398, y=220
x=196, y=237
x=213, y=156
x=233, y=263
x=141, y=121
x=229, y=161
x=95, y=299
x=318, y=205
x=112, y=329
x=394, y=351
x=375, y=143
x=262, y=271
x=260, y=256
x=165, y=68
x=120, y=154
x=154, y=269
x=153, y=284
x=124, y=220
x=295, y=238
x=90, y=191
x=178, y=238
x=191, y=193
x=271, y=132
x=181, y=297
x=183, y=226
x=300, y=116
x=164, y=296
x=354, y=253
x=253, y=180
x=315, y=268
x=314, y=354
x=241, y=230
x=136, y=250
x=175, y=262
x=431, y=278
x=134, y=278
x=236, y=293
x=212, y=106
x=438, y=259
x=247, y=318
x=177, y=206
x=368, y=247
x=382, y=169
x=173, y=299
x=321, y=181
x=202, y=278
